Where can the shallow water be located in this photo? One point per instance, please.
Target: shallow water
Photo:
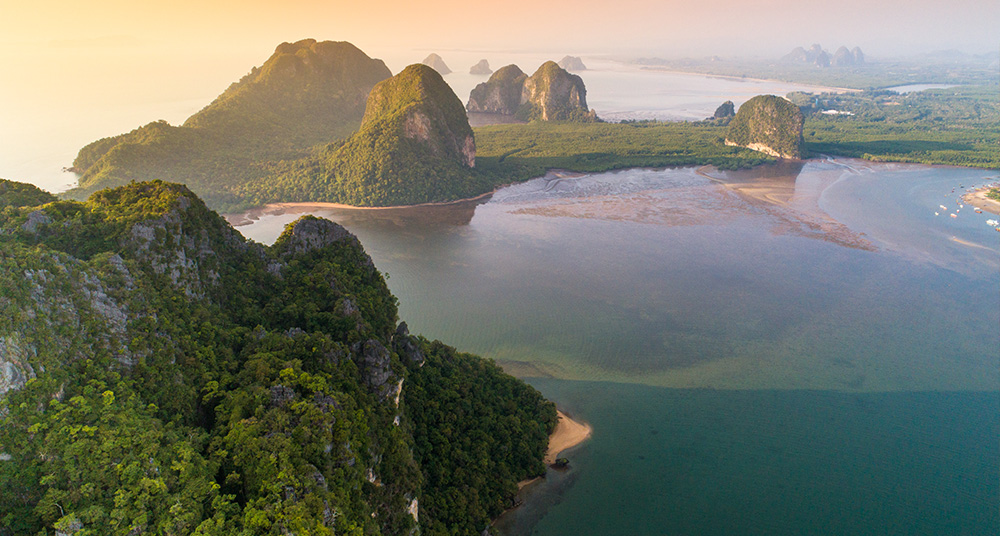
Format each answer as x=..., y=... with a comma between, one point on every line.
x=796, y=349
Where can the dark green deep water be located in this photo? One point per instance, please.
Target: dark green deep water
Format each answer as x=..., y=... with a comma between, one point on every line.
x=827, y=367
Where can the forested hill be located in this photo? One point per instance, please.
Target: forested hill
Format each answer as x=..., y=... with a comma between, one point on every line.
x=163, y=375
x=306, y=94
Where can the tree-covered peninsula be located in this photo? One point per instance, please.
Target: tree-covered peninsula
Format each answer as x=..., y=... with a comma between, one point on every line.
x=163, y=375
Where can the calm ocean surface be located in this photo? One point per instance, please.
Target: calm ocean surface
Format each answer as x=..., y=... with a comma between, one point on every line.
x=824, y=364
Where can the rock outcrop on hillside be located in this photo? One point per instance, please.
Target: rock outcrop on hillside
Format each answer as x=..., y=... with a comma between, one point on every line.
x=553, y=94
x=414, y=143
x=501, y=94
x=550, y=94
x=572, y=63
x=435, y=62
x=483, y=67
x=769, y=124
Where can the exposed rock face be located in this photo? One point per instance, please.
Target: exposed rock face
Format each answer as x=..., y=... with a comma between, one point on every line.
x=768, y=124
x=483, y=67
x=307, y=234
x=552, y=94
x=501, y=94
x=435, y=62
x=725, y=110
x=415, y=143
x=572, y=63
x=420, y=103
x=403, y=344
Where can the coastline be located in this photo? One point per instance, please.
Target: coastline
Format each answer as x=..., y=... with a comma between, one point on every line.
x=238, y=219
x=978, y=199
x=835, y=89
x=568, y=434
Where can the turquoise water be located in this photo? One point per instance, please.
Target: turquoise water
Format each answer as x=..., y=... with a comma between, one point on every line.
x=710, y=462
x=799, y=349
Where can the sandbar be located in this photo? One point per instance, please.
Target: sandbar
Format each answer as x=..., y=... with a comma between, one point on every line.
x=977, y=198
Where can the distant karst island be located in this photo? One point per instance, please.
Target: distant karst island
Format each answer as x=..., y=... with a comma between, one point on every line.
x=435, y=62
x=482, y=67
x=572, y=63
x=821, y=58
x=550, y=94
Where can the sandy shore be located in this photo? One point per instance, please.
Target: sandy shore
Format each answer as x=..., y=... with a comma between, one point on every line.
x=276, y=209
x=568, y=434
x=977, y=198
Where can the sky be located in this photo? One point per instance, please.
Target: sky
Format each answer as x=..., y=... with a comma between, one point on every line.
x=663, y=27
x=72, y=71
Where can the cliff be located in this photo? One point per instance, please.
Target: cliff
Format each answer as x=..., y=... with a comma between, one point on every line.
x=501, y=94
x=307, y=93
x=550, y=94
x=483, y=67
x=161, y=374
x=435, y=62
x=768, y=124
x=414, y=145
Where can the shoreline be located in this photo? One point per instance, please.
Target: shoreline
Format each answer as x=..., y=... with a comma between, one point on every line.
x=239, y=219
x=568, y=434
x=747, y=78
x=978, y=199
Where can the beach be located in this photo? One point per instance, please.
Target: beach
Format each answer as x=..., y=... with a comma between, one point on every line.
x=568, y=434
x=977, y=198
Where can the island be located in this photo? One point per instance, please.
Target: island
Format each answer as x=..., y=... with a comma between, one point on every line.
x=435, y=62
x=572, y=63
x=482, y=67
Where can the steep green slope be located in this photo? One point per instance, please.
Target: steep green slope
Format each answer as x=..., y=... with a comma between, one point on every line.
x=307, y=93
x=768, y=124
x=159, y=374
x=414, y=146
x=553, y=94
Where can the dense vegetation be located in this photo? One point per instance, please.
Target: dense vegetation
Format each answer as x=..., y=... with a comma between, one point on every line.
x=770, y=124
x=957, y=126
x=162, y=375
x=306, y=93
x=524, y=151
x=463, y=496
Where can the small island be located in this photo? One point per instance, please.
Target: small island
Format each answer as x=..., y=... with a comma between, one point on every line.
x=483, y=68
x=435, y=62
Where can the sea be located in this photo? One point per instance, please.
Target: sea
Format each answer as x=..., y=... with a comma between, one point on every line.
x=805, y=348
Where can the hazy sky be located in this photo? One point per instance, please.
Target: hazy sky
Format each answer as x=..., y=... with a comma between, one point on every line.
x=670, y=27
